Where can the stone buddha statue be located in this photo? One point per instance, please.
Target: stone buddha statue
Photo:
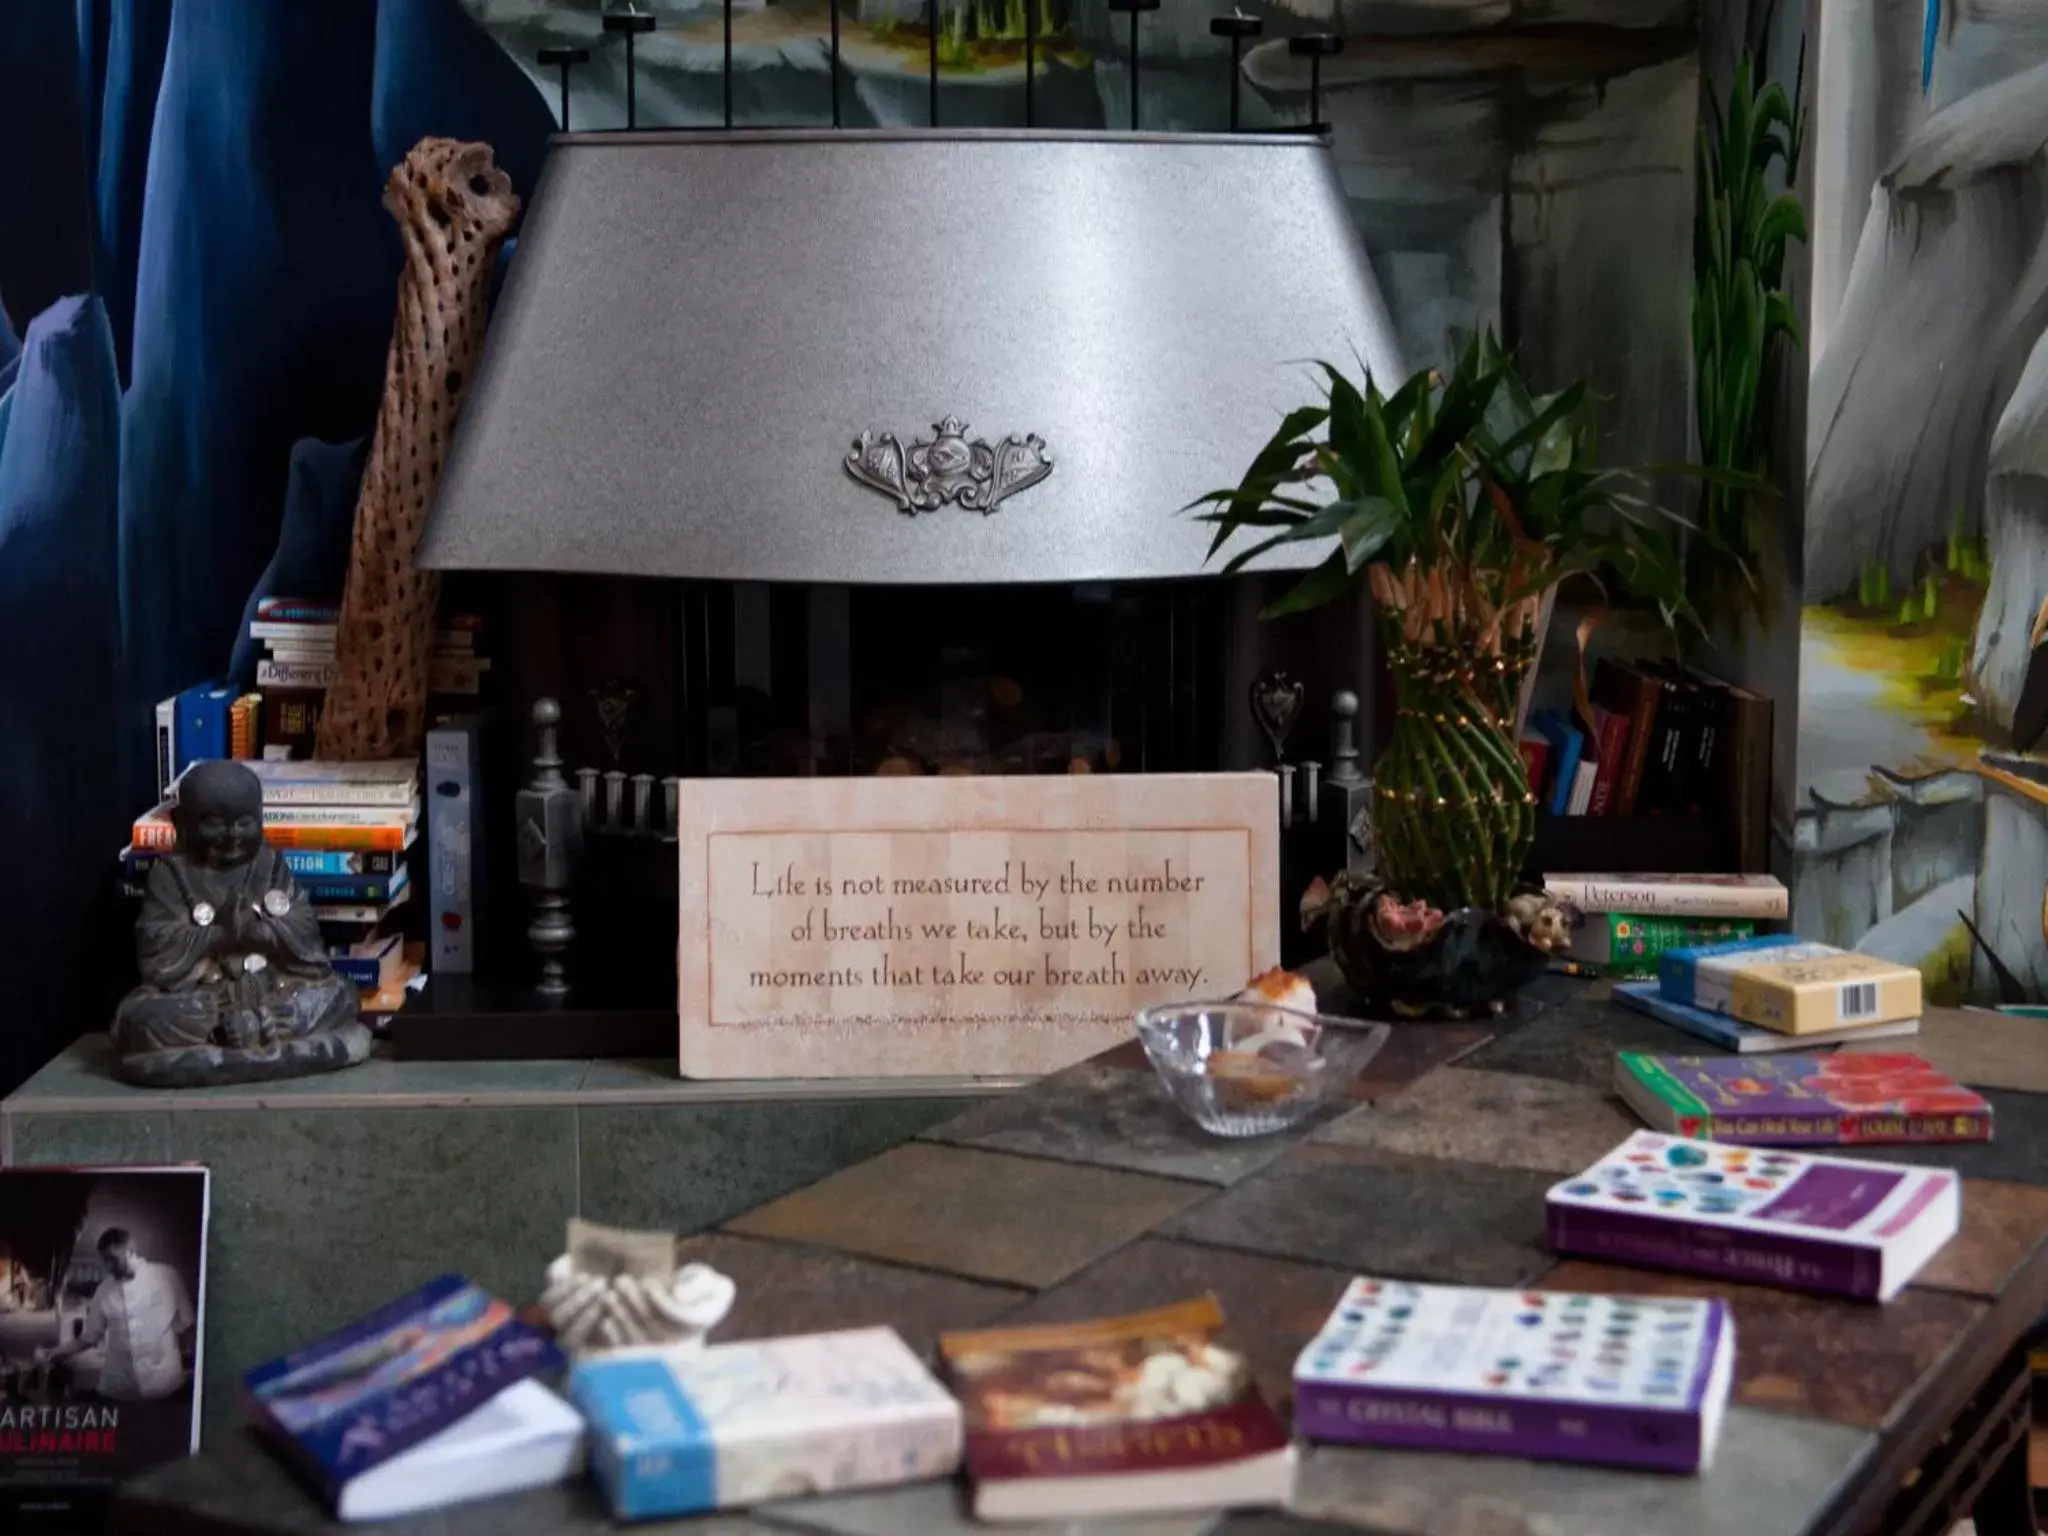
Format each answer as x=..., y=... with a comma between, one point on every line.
x=236, y=986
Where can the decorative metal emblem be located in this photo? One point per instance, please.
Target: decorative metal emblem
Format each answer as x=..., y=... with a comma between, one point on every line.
x=276, y=903
x=1276, y=704
x=202, y=914
x=948, y=467
x=614, y=703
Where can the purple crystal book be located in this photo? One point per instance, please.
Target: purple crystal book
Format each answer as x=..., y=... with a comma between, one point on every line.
x=1613, y=1380
x=1827, y=1224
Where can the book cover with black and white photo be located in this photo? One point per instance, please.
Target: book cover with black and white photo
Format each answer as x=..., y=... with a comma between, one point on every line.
x=102, y=1293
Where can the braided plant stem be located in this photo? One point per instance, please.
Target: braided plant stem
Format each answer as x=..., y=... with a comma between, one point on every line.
x=1452, y=811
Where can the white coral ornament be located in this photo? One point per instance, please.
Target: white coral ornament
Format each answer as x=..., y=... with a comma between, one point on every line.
x=613, y=1288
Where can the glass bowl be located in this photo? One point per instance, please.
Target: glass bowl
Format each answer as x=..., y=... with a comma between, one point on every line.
x=1250, y=1069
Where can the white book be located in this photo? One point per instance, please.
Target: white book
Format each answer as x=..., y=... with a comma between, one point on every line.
x=525, y=1437
x=1551, y=1375
x=386, y=785
x=1838, y=1225
x=1582, y=787
x=676, y=1432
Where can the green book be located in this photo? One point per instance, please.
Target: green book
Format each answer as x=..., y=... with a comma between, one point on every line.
x=1627, y=945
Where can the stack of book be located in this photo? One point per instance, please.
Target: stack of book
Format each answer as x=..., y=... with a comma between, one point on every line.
x=1776, y=992
x=345, y=830
x=1623, y=925
x=1661, y=739
x=298, y=667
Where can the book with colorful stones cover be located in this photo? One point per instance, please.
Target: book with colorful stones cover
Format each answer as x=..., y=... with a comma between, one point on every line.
x=1845, y=1099
x=1842, y=1227
x=1613, y=1380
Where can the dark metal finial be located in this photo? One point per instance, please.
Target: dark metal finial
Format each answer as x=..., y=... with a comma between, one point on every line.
x=1136, y=8
x=632, y=24
x=564, y=59
x=1237, y=27
x=1315, y=47
x=1343, y=738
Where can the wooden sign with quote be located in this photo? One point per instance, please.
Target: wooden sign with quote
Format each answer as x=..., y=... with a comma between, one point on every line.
x=900, y=927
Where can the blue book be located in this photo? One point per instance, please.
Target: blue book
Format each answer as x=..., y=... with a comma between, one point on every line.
x=314, y=863
x=1566, y=743
x=344, y=1406
x=354, y=890
x=1734, y=1035
x=202, y=728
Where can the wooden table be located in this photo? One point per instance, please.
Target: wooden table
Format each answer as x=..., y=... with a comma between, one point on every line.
x=1087, y=1193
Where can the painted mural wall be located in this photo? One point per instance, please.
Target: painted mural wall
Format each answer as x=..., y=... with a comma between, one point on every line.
x=1919, y=814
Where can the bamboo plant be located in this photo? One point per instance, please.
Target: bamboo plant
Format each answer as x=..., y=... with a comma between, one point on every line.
x=1743, y=319
x=1460, y=500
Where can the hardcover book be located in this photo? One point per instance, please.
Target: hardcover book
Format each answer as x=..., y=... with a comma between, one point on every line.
x=1734, y=1035
x=1626, y=944
x=1614, y=1380
x=1751, y=896
x=675, y=1432
x=1147, y=1413
x=1828, y=1224
x=1792, y=1101
x=1796, y=988
x=102, y=1302
x=352, y=1403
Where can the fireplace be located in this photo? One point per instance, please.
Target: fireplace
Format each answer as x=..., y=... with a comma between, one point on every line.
x=846, y=453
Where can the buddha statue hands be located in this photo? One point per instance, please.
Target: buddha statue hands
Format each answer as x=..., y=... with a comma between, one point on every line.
x=235, y=981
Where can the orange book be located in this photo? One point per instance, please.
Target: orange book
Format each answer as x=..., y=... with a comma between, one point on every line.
x=154, y=832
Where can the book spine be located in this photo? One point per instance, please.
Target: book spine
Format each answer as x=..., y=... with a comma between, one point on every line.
x=353, y=888
x=350, y=914
x=291, y=719
x=453, y=817
x=339, y=793
x=289, y=611
x=1642, y=724
x=1609, y=1435
x=1613, y=751
x=337, y=815
x=166, y=746
x=445, y=674
x=365, y=975
x=306, y=634
x=1633, y=946
x=372, y=839
x=1767, y=1258
x=1595, y=894
x=153, y=836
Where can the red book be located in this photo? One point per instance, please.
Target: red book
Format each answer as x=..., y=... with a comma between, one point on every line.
x=1610, y=729
x=1123, y=1415
x=1535, y=757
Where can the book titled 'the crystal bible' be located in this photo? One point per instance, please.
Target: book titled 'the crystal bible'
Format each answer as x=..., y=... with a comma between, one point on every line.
x=102, y=1290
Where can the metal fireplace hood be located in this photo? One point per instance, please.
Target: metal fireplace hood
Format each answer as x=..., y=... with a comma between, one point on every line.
x=898, y=357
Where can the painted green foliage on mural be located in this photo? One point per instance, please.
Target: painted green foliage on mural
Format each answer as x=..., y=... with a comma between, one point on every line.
x=1742, y=315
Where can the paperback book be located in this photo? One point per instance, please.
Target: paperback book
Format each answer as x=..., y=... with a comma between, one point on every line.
x=1828, y=1224
x=1614, y=1380
x=1749, y=1039
x=1758, y=897
x=391, y=784
x=1123, y=1415
x=1787, y=984
x=102, y=1302
x=383, y=1416
x=676, y=1431
x=1792, y=1101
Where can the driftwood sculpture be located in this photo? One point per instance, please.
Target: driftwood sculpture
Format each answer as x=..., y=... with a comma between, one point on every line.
x=454, y=208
